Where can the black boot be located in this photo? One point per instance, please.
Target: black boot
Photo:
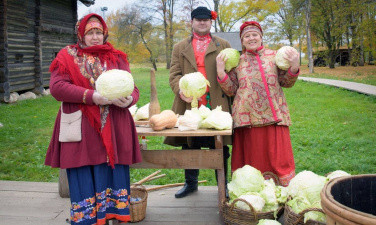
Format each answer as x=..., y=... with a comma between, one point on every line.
x=190, y=186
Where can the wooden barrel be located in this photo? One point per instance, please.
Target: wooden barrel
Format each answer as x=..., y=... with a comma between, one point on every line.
x=350, y=200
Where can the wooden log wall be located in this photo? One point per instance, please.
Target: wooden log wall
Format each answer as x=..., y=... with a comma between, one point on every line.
x=4, y=73
x=32, y=32
x=58, y=19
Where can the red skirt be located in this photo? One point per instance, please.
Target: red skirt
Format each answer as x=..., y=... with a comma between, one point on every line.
x=267, y=149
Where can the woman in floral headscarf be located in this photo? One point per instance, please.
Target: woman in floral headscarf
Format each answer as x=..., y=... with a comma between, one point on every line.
x=260, y=113
x=97, y=165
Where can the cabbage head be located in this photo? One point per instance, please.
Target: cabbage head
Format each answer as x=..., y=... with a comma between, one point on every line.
x=245, y=180
x=268, y=222
x=233, y=57
x=314, y=215
x=254, y=200
x=193, y=85
x=337, y=173
x=280, y=60
x=308, y=185
x=218, y=120
x=114, y=84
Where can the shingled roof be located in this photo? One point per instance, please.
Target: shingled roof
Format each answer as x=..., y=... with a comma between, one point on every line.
x=232, y=37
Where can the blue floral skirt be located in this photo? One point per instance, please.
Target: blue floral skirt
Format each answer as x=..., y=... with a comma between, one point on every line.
x=99, y=193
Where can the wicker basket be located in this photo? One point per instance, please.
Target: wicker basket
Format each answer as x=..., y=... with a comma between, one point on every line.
x=138, y=209
x=291, y=218
x=235, y=216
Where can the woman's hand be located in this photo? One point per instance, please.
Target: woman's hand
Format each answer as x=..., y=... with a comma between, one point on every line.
x=221, y=63
x=123, y=102
x=293, y=58
x=184, y=98
x=98, y=99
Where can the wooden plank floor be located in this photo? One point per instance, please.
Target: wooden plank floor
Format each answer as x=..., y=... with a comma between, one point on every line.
x=26, y=203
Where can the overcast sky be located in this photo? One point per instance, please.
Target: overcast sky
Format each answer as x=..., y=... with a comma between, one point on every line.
x=112, y=5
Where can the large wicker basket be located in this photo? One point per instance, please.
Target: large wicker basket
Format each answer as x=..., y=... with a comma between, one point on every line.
x=291, y=218
x=235, y=216
x=138, y=209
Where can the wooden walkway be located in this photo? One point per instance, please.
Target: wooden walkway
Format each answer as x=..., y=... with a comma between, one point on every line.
x=30, y=203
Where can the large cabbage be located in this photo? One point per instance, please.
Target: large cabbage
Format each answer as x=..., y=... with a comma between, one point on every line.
x=305, y=190
x=114, y=84
x=280, y=60
x=245, y=180
x=268, y=222
x=233, y=57
x=193, y=85
x=218, y=120
x=336, y=174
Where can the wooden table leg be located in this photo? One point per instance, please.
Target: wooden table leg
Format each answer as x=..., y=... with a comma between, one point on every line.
x=220, y=174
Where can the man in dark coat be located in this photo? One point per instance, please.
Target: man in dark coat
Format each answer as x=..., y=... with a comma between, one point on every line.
x=198, y=53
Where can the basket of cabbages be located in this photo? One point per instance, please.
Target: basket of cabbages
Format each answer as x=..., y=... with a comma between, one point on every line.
x=252, y=198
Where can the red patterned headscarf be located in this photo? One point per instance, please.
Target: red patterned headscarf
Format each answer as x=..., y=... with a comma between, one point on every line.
x=84, y=65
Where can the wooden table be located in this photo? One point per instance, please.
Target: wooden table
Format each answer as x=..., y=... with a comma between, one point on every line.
x=176, y=159
x=187, y=159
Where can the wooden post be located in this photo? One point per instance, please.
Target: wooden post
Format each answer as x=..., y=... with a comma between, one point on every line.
x=63, y=184
x=38, y=89
x=220, y=173
x=154, y=107
x=4, y=72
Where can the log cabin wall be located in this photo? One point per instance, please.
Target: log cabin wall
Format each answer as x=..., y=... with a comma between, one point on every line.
x=58, y=19
x=31, y=34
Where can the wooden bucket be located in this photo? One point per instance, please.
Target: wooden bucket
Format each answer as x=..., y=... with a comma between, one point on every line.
x=350, y=200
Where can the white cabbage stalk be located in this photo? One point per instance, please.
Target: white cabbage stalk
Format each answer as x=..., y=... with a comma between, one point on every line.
x=193, y=85
x=218, y=120
x=191, y=120
x=142, y=113
x=280, y=60
x=268, y=222
x=114, y=84
x=233, y=57
x=337, y=173
x=255, y=201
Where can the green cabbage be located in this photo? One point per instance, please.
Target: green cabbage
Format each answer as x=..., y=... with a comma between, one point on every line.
x=337, y=173
x=268, y=222
x=218, y=120
x=280, y=60
x=254, y=200
x=193, y=85
x=233, y=57
x=245, y=180
x=114, y=84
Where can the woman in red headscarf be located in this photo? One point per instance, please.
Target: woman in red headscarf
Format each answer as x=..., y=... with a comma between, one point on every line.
x=260, y=113
x=98, y=164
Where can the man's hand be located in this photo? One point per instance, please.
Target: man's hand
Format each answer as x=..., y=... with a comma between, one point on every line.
x=184, y=98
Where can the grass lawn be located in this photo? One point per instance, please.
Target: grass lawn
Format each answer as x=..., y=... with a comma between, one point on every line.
x=332, y=129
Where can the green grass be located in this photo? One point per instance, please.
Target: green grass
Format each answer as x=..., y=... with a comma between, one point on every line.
x=332, y=129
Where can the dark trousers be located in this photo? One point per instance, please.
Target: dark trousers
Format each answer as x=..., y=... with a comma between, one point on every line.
x=191, y=175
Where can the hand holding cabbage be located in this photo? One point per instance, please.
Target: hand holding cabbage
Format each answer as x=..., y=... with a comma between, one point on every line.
x=193, y=85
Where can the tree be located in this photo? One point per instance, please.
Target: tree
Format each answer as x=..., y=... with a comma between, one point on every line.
x=328, y=24
x=135, y=33
x=162, y=12
x=229, y=14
